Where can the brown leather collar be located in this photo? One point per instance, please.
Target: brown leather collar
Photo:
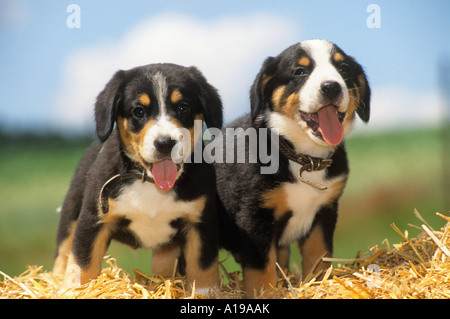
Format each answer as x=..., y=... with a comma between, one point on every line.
x=308, y=163
x=115, y=182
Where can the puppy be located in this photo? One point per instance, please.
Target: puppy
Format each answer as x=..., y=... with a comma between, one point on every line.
x=133, y=187
x=307, y=98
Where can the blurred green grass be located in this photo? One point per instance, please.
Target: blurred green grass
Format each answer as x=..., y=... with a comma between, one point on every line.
x=391, y=174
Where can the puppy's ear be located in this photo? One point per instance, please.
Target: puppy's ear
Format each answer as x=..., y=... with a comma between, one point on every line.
x=257, y=98
x=211, y=102
x=363, y=109
x=105, y=107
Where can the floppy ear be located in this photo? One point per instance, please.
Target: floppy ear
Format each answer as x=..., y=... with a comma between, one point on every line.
x=363, y=109
x=105, y=107
x=211, y=102
x=257, y=101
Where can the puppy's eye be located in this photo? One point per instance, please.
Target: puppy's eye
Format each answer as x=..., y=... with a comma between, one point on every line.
x=345, y=68
x=183, y=108
x=301, y=71
x=139, y=112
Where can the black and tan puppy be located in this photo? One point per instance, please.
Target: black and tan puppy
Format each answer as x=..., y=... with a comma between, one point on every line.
x=132, y=186
x=307, y=96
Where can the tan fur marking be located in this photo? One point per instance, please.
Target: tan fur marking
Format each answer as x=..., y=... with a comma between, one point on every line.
x=312, y=249
x=334, y=191
x=100, y=246
x=110, y=219
x=304, y=61
x=291, y=106
x=163, y=261
x=176, y=96
x=338, y=57
x=256, y=280
x=276, y=97
x=144, y=99
x=133, y=141
x=64, y=249
x=276, y=199
x=199, y=206
x=204, y=278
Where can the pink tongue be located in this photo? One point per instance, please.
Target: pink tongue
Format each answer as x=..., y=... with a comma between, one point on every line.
x=332, y=130
x=165, y=174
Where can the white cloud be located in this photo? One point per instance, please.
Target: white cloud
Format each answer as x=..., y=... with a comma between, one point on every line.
x=229, y=52
x=398, y=107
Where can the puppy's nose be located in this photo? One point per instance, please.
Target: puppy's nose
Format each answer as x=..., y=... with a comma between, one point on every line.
x=164, y=144
x=330, y=89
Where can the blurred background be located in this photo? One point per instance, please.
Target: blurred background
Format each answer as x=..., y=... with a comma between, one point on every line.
x=56, y=56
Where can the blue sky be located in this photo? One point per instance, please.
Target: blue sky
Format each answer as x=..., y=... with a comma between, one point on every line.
x=51, y=74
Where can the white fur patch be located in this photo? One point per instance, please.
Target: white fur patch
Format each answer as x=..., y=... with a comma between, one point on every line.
x=304, y=202
x=151, y=211
x=161, y=90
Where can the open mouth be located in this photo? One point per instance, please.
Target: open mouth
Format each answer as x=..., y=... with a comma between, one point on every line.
x=164, y=173
x=326, y=123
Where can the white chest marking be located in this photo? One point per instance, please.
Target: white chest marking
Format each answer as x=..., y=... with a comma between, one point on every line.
x=305, y=200
x=151, y=210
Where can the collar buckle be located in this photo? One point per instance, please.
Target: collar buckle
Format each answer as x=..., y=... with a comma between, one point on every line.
x=308, y=163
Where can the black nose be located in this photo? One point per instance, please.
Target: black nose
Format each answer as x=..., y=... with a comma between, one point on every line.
x=330, y=89
x=164, y=144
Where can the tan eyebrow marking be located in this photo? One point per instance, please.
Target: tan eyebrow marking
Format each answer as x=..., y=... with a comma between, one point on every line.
x=304, y=61
x=175, y=96
x=338, y=57
x=144, y=99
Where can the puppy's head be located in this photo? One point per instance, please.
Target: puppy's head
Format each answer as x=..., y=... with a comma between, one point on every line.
x=155, y=108
x=310, y=92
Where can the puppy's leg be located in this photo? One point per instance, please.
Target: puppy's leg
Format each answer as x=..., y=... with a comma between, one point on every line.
x=313, y=248
x=63, y=250
x=202, y=265
x=163, y=261
x=256, y=280
x=89, y=247
x=319, y=242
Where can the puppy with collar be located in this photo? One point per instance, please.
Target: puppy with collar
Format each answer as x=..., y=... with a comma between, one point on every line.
x=131, y=186
x=307, y=97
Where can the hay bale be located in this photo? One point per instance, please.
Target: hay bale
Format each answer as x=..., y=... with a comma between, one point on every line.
x=414, y=268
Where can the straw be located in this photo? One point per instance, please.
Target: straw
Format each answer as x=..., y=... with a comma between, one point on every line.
x=415, y=268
